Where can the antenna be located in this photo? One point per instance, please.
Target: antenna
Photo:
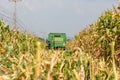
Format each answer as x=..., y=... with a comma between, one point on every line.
x=14, y=14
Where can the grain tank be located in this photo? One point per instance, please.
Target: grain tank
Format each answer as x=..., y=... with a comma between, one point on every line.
x=56, y=40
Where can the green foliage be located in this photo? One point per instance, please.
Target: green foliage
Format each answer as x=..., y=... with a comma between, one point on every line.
x=92, y=55
x=102, y=40
x=17, y=51
x=98, y=37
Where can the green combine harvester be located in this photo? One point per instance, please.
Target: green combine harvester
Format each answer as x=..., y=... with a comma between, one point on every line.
x=56, y=40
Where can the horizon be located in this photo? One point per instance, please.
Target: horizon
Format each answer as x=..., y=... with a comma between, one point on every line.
x=62, y=16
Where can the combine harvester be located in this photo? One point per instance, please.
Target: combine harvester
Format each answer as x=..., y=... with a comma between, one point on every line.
x=56, y=40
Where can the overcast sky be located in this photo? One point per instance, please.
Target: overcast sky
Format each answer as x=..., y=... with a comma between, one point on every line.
x=41, y=17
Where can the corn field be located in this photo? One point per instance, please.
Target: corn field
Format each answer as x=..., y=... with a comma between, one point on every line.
x=93, y=54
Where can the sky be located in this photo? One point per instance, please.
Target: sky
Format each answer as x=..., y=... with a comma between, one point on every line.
x=40, y=17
